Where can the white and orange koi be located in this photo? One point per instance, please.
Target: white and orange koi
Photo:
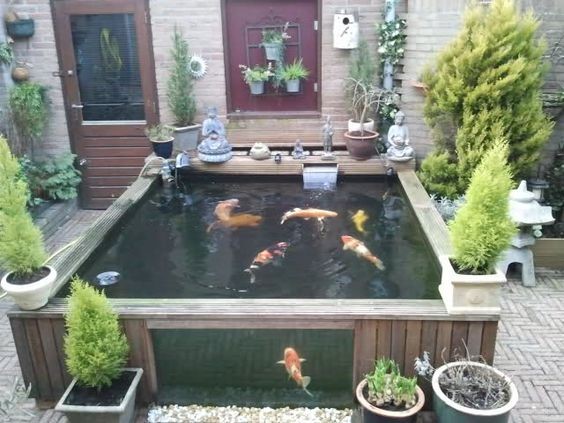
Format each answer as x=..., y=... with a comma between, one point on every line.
x=293, y=364
x=358, y=247
x=306, y=214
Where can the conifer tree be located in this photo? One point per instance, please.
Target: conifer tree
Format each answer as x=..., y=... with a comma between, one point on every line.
x=485, y=85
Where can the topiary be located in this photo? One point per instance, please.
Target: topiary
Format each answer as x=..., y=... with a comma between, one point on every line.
x=180, y=86
x=21, y=242
x=487, y=82
x=95, y=347
x=482, y=228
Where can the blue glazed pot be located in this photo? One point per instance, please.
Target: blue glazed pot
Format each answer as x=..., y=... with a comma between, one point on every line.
x=163, y=149
x=22, y=28
x=450, y=412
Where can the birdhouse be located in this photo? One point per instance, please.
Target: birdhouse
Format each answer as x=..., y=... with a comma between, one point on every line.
x=345, y=30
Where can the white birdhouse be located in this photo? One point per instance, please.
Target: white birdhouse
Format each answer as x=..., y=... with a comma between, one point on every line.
x=345, y=31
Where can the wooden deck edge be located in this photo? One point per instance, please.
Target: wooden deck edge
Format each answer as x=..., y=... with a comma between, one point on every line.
x=549, y=252
x=429, y=218
x=68, y=261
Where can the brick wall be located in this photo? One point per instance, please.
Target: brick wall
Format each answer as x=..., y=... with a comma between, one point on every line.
x=41, y=53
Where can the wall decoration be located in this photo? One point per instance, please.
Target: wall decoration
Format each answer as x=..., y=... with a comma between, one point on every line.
x=345, y=30
x=197, y=66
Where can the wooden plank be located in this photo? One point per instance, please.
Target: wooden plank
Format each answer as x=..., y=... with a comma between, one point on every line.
x=429, y=338
x=24, y=354
x=489, y=334
x=365, y=332
x=459, y=338
x=412, y=345
x=549, y=252
x=264, y=323
x=38, y=360
x=150, y=373
x=59, y=334
x=134, y=332
x=384, y=339
x=474, y=341
x=397, y=351
x=51, y=356
x=442, y=350
x=138, y=151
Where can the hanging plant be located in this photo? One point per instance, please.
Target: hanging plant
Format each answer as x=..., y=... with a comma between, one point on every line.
x=391, y=40
x=6, y=53
x=197, y=66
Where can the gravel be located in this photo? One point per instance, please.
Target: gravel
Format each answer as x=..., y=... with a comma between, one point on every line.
x=199, y=414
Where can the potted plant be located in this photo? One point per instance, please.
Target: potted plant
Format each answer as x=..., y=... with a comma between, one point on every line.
x=6, y=53
x=467, y=391
x=161, y=137
x=480, y=232
x=386, y=396
x=362, y=68
x=29, y=280
x=180, y=94
x=18, y=26
x=96, y=350
x=273, y=42
x=292, y=74
x=256, y=77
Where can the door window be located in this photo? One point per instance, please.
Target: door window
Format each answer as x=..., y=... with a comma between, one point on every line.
x=107, y=67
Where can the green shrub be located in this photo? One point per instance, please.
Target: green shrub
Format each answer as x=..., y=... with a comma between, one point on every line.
x=95, y=347
x=487, y=82
x=387, y=387
x=295, y=70
x=28, y=105
x=362, y=73
x=21, y=242
x=482, y=228
x=180, y=86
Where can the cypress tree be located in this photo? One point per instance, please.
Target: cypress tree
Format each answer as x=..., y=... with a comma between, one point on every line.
x=486, y=85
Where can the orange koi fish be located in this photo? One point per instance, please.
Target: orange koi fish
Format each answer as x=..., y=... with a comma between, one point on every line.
x=223, y=212
x=319, y=214
x=224, y=209
x=358, y=247
x=267, y=256
x=293, y=364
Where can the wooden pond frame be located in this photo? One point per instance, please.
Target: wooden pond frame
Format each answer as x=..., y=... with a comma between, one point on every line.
x=401, y=329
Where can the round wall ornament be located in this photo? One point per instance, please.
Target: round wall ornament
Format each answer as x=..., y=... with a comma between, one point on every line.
x=197, y=66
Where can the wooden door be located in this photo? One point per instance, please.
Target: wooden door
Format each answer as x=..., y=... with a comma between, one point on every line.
x=244, y=21
x=109, y=85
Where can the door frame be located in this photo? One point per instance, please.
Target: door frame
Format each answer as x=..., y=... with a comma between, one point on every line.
x=69, y=82
x=231, y=114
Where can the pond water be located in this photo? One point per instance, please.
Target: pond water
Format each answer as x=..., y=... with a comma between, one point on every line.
x=170, y=246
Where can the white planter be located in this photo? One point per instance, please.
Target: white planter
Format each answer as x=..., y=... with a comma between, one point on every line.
x=257, y=87
x=470, y=294
x=273, y=51
x=355, y=126
x=33, y=295
x=293, y=86
x=123, y=413
x=449, y=411
x=186, y=137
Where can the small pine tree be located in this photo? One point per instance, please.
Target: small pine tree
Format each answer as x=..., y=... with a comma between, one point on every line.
x=180, y=87
x=362, y=71
x=487, y=82
x=21, y=242
x=482, y=228
x=95, y=347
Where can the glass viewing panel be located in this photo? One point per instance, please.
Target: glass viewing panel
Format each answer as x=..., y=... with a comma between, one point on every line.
x=107, y=67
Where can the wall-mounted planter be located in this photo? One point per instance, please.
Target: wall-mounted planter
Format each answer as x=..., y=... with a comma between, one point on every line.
x=257, y=87
x=22, y=28
x=293, y=86
x=273, y=51
x=20, y=74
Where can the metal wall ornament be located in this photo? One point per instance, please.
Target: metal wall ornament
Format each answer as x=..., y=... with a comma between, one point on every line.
x=198, y=66
x=345, y=30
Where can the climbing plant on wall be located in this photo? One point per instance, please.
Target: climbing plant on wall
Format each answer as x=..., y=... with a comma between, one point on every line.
x=485, y=85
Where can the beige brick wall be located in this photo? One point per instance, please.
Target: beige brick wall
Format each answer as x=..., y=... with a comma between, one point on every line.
x=41, y=52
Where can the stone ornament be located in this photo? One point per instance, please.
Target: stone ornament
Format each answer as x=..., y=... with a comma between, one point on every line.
x=399, y=149
x=328, y=133
x=298, y=151
x=214, y=148
x=260, y=151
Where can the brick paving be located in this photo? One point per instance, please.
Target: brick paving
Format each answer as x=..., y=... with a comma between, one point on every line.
x=530, y=344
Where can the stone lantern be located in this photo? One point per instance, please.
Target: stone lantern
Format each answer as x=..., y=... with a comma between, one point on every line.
x=528, y=215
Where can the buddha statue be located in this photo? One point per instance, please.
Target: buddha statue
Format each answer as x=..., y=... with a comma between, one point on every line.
x=399, y=149
x=298, y=152
x=214, y=148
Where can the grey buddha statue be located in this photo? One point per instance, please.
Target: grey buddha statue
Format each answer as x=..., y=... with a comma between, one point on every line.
x=298, y=151
x=214, y=148
x=399, y=149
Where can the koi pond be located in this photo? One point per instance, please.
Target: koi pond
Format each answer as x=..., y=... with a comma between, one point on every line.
x=359, y=241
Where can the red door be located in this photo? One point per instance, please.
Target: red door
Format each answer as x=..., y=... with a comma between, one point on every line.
x=244, y=22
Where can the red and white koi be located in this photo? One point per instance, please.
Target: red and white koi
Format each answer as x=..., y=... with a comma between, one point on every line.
x=358, y=247
x=267, y=256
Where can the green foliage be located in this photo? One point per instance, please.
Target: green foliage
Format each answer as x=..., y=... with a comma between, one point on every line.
x=21, y=242
x=95, y=347
x=554, y=194
x=391, y=40
x=6, y=54
x=159, y=132
x=28, y=104
x=387, y=387
x=482, y=228
x=359, y=84
x=256, y=74
x=54, y=178
x=180, y=86
x=486, y=85
x=275, y=36
x=296, y=70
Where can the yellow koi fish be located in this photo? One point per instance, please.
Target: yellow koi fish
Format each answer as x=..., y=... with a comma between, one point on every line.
x=359, y=219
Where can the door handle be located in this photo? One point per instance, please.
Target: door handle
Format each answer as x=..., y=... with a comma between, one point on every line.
x=82, y=162
x=77, y=106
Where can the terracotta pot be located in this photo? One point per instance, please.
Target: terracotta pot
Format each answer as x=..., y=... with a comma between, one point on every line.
x=20, y=74
x=373, y=414
x=361, y=146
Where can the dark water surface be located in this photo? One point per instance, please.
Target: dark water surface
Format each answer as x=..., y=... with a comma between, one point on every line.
x=164, y=250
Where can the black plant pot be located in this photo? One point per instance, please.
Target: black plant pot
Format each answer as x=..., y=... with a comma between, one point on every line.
x=22, y=28
x=163, y=149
